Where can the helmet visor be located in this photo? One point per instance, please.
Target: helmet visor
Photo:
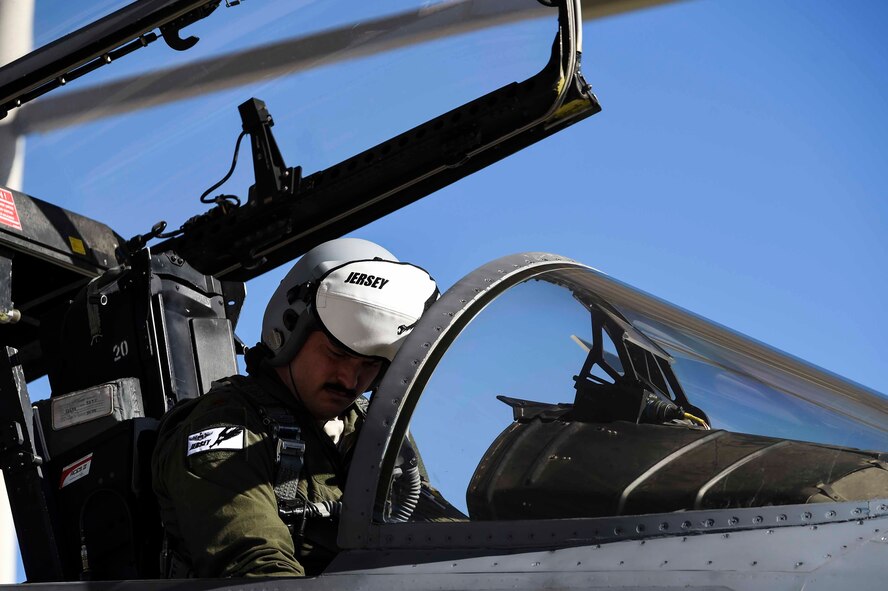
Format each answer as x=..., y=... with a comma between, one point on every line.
x=371, y=306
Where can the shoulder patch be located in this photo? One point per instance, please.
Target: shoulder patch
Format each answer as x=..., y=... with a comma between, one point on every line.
x=230, y=437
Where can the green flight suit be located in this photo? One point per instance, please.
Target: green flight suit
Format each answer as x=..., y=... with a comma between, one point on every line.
x=214, y=472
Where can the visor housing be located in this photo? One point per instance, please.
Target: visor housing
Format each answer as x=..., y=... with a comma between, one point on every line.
x=371, y=306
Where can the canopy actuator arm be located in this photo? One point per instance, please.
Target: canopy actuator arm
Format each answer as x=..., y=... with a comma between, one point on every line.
x=281, y=222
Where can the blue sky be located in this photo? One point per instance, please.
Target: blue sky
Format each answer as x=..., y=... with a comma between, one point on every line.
x=738, y=168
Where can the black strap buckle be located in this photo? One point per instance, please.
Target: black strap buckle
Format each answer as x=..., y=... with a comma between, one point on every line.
x=289, y=457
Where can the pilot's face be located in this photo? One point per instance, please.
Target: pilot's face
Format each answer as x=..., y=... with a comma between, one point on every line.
x=327, y=378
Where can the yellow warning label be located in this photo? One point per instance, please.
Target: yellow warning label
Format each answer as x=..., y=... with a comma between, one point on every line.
x=77, y=245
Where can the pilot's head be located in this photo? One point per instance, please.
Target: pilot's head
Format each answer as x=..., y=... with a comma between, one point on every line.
x=338, y=318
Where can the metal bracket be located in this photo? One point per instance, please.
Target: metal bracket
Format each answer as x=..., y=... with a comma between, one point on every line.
x=172, y=30
x=25, y=482
x=14, y=455
x=8, y=314
x=271, y=173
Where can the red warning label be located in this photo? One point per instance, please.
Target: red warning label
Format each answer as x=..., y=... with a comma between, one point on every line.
x=76, y=471
x=8, y=213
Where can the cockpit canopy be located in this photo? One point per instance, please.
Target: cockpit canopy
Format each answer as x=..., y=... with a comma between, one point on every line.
x=538, y=387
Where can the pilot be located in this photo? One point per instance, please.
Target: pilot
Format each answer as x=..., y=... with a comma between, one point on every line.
x=249, y=477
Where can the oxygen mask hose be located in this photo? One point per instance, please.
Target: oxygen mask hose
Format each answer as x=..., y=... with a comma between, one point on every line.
x=657, y=411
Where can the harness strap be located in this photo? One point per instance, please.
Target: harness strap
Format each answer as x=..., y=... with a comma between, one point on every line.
x=282, y=427
x=289, y=454
x=172, y=565
x=289, y=457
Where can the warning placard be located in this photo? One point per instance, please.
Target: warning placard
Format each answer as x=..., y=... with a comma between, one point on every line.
x=76, y=471
x=8, y=213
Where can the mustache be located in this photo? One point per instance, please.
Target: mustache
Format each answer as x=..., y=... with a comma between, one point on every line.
x=341, y=389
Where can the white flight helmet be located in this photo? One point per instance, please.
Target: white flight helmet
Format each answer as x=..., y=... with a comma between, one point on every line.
x=356, y=292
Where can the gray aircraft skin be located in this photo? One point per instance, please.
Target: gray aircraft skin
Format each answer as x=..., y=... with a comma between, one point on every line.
x=641, y=538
